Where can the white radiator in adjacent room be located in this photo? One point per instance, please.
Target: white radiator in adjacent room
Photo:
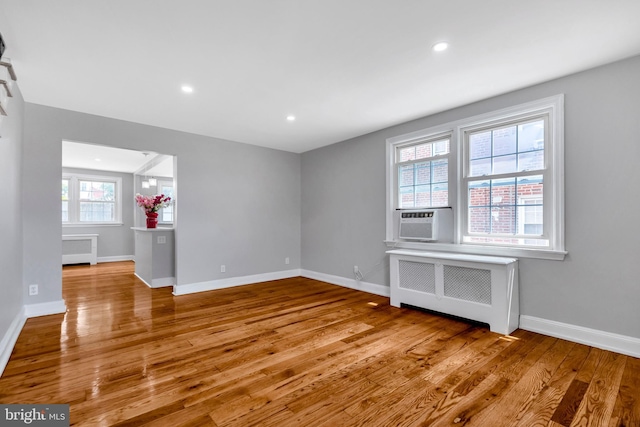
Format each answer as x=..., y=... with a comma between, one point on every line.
x=479, y=288
x=80, y=249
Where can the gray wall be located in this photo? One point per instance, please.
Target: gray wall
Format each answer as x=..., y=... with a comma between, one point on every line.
x=11, y=285
x=239, y=205
x=598, y=284
x=113, y=240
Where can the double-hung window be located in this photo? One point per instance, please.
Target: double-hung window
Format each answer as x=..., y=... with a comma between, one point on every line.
x=504, y=183
x=91, y=199
x=501, y=173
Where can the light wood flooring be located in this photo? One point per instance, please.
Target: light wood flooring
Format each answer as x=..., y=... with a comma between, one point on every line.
x=299, y=352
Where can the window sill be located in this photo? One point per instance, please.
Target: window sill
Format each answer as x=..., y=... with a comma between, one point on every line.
x=480, y=250
x=94, y=224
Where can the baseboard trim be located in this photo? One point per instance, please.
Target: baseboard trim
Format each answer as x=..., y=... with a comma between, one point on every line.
x=45, y=308
x=595, y=338
x=10, y=338
x=371, y=288
x=115, y=258
x=161, y=282
x=211, y=285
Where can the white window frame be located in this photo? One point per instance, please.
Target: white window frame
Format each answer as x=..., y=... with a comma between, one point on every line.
x=74, y=199
x=553, y=108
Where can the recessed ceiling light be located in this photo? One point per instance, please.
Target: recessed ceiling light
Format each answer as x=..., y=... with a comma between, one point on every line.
x=97, y=159
x=440, y=46
x=291, y=118
x=187, y=89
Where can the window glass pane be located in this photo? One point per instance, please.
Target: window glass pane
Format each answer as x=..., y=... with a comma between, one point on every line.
x=405, y=175
x=503, y=192
x=423, y=151
x=440, y=169
x=65, y=211
x=480, y=193
x=504, y=141
x=503, y=220
x=479, y=220
x=96, y=211
x=480, y=167
x=441, y=147
x=65, y=200
x=406, y=197
x=407, y=153
x=423, y=196
x=423, y=173
x=533, y=160
x=531, y=136
x=480, y=145
x=504, y=164
x=440, y=195
x=96, y=190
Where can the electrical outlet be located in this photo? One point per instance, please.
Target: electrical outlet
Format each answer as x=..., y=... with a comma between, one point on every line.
x=33, y=290
x=355, y=269
x=286, y=260
x=223, y=269
x=162, y=239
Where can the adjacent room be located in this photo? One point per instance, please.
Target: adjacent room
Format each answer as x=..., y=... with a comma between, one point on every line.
x=355, y=213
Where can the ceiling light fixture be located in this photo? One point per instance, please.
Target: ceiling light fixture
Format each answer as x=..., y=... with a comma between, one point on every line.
x=440, y=46
x=187, y=89
x=291, y=118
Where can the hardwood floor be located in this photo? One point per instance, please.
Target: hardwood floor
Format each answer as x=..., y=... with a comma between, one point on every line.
x=299, y=352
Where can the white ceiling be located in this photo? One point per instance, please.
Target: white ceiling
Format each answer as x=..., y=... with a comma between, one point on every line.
x=342, y=67
x=99, y=157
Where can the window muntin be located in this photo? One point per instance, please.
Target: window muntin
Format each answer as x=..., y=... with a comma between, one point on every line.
x=423, y=174
x=91, y=199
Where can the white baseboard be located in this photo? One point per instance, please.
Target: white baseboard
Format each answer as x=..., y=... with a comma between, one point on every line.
x=161, y=282
x=45, y=308
x=28, y=310
x=115, y=258
x=372, y=288
x=605, y=340
x=10, y=337
x=190, y=288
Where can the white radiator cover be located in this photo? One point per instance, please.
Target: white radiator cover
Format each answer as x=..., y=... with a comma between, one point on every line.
x=480, y=288
x=80, y=249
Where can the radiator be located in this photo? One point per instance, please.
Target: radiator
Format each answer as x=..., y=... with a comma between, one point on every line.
x=479, y=288
x=80, y=249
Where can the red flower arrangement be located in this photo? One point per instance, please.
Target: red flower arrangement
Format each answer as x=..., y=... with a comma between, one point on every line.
x=152, y=203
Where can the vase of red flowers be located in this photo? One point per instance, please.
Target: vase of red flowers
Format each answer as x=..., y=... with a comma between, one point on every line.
x=151, y=205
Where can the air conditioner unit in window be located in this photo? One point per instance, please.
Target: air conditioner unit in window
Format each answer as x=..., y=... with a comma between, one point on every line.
x=429, y=225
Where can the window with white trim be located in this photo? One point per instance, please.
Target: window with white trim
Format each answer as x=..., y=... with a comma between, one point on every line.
x=91, y=200
x=503, y=184
x=504, y=180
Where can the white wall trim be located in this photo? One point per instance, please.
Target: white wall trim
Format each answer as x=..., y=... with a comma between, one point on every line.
x=158, y=283
x=45, y=308
x=592, y=337
x=28, y=310
x=115, y=258
x=10, y=338
x=211, y=285
x=371, y=288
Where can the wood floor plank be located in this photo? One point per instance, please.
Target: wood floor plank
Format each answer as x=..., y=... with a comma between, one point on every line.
x=296, y=352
